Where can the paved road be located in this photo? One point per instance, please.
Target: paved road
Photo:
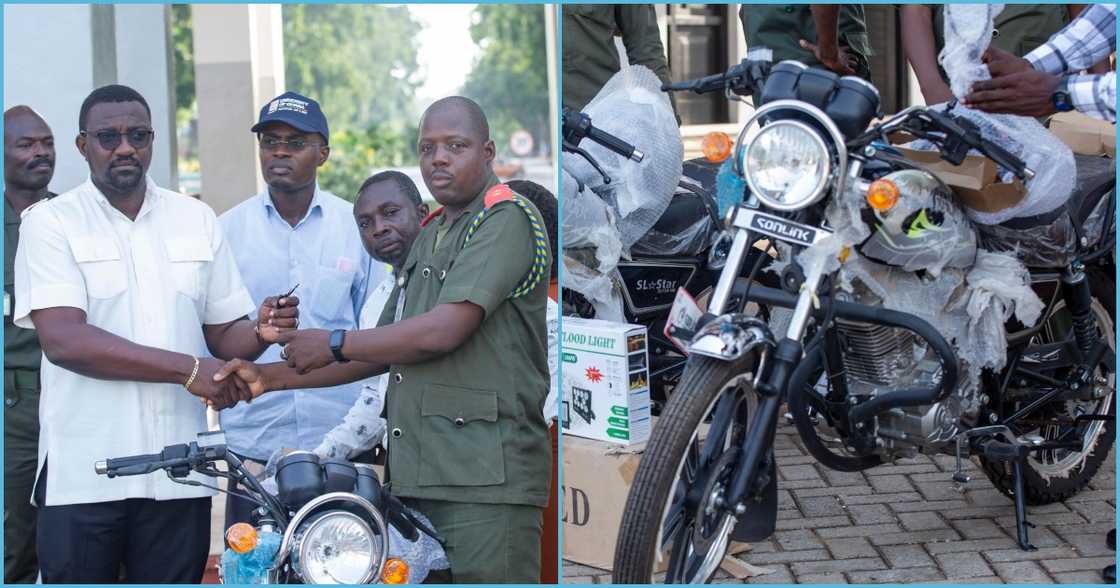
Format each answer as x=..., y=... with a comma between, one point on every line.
x=906, y=523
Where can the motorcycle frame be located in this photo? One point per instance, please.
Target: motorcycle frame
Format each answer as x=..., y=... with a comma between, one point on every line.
x=780, y=360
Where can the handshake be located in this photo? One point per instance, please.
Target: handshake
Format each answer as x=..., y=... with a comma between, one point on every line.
x=221, y=384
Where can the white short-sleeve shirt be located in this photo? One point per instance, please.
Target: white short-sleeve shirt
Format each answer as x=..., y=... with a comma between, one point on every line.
x=154, y=281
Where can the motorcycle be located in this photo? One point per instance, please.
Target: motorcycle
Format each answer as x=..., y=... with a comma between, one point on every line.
x=329, y=523
x=649, y=280
x=866, y=375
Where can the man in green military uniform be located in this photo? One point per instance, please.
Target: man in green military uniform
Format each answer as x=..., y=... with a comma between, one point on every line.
x=1019, y=29
x=464, y=340
x=590, y=55
x=833, y=36
x=28, y=168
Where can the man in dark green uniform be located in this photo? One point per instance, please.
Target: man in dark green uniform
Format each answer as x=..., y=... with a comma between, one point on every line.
x=464, y=339
x=1019, y=29
x=590, y=55
x=28, y=168
x=833, y=36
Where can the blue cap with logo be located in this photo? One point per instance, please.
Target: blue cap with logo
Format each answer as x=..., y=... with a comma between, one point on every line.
x=296, y=111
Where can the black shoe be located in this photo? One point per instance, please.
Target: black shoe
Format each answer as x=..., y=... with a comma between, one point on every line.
x=1109, y=574
x=1111, y=540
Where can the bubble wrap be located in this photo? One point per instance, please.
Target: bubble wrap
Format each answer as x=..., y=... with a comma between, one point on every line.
x=422, y=556
x=968, y=32
x=591, y=248
x=632, y=107
x=1051, y=244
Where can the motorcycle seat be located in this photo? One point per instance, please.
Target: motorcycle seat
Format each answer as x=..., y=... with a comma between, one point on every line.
x=685, y=210
x=1096, y=176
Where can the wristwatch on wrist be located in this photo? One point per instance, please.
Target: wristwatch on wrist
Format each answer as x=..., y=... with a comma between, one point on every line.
x=1061, y=98
x=337, y=338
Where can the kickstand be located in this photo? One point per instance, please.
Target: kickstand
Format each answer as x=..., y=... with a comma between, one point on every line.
x=1021, y=522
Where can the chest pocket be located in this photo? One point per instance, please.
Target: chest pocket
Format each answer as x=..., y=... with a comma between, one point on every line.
x=190, y=261
x=462, y=442
x=332, y=295
x=102, y=267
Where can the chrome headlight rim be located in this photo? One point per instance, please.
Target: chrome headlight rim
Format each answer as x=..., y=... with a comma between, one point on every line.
x=309, y=510
x=841, y=150
x=823, y=179
x=302, y=542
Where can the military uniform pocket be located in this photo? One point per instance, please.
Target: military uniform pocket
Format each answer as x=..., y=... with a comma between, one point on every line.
x=460, y=441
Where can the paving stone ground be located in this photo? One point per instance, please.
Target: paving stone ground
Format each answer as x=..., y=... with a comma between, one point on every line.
x=907, y=523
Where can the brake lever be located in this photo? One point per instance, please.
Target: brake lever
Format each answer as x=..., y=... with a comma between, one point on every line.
x=571, y=148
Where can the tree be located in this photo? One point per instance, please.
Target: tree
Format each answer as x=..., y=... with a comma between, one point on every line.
x=509, y=78
x=182, y=45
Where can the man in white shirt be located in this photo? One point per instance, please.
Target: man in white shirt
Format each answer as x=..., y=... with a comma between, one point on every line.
x=130, y=288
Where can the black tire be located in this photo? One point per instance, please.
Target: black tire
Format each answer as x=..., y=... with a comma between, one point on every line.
x=1039, y=489
x=701, y=384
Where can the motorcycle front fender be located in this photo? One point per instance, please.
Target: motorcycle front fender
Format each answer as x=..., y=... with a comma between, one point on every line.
x=731, y=336
x=760, y=518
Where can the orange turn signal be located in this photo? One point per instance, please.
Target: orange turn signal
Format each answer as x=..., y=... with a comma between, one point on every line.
x=716, y=146
x=241, y=537
x=395, y=571
x=882, y=195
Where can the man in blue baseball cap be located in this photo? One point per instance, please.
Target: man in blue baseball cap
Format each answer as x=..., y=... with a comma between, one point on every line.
x=294, y=234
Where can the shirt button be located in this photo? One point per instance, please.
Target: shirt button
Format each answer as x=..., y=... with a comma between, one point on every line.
x=442, y=274
x=427, y=272
x=397, y=377
x=397, y=433
x=400, y=282
x=9, y=402
x=459, y=422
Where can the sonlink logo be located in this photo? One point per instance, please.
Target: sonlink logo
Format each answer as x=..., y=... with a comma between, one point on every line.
x=773, y=226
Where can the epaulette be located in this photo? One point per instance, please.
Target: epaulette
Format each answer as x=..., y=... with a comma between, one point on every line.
x=431, y=216
x=503, y=193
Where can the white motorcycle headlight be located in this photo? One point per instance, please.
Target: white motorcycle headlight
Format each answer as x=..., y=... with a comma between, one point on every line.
x=336, y=548
x=786, y=165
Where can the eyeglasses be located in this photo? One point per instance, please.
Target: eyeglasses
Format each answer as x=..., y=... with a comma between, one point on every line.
x=294, y=145
x=110, y=140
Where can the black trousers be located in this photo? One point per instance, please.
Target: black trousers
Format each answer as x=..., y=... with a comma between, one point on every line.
x=155, y=541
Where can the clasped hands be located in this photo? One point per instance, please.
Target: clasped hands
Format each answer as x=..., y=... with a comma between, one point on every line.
x=221, y=384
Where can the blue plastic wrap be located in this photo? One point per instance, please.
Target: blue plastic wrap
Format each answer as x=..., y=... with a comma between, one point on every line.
x=252, y=567
x=730, y=188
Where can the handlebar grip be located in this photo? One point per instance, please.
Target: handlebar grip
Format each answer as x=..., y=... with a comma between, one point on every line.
x=614, y=144
x=1005, y=159
x=112, y=465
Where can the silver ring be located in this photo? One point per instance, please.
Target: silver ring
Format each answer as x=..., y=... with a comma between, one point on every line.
x=284, y=352
x=297, y=322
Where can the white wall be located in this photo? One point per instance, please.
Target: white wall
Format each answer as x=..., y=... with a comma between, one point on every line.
x=50, y=65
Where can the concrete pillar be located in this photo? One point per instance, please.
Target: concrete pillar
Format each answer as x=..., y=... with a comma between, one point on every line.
x=239, y=65
x=550, y=11
x=104, y=44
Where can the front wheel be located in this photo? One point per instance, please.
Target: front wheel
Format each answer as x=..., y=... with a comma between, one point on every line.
x=673, y=519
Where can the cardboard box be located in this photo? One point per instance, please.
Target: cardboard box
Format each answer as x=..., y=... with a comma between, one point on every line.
x=1084, y=134
x=597, y=479
x=974, y=181
x=605, y=368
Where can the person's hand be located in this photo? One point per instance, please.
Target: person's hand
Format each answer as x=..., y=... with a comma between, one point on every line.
x=1025, y=93
x=1001, y=63
x=277, y=315
x=307, y=350
x=246, y=371
x=214, y=393
x=835, y=58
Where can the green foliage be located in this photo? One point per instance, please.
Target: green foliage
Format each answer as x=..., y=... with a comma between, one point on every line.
x=510, y=79
x=357, y=60
x=355, y=154
x=182, y=45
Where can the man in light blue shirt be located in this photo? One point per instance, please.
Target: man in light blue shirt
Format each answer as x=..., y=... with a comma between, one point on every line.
x=294, y=234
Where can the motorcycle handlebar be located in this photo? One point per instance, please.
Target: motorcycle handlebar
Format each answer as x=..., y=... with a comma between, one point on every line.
x=742, y=78
x=172, y=456
x=577, y=126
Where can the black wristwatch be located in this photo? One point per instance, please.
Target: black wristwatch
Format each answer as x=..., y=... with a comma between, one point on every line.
x=1060, y=98
x=337, y=338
